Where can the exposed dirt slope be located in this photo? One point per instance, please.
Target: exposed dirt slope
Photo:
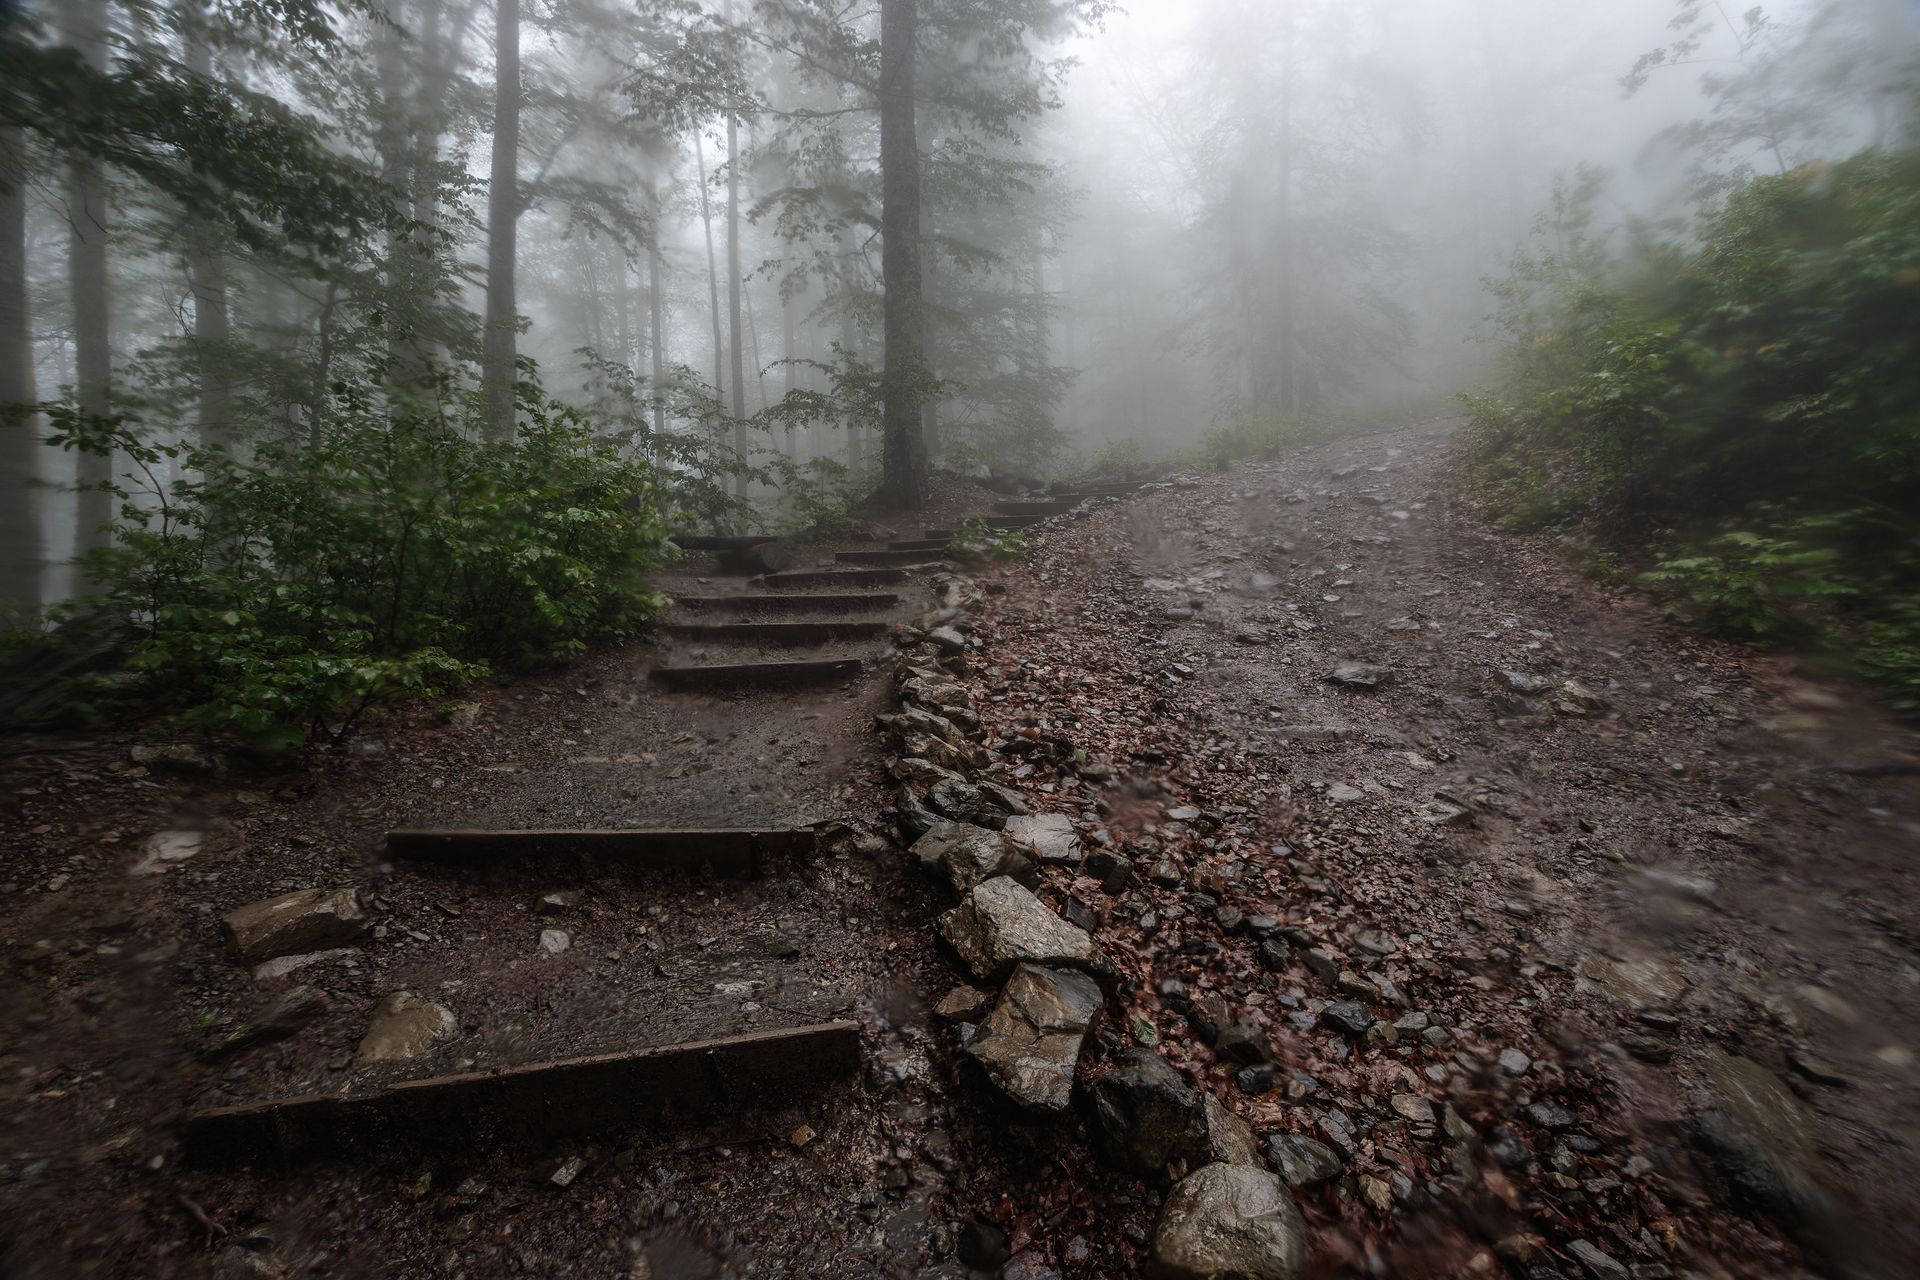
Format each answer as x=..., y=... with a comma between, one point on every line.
x=1657, y=894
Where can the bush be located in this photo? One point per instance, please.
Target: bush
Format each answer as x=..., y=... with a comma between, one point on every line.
x=398, y=557
x=1754, y=389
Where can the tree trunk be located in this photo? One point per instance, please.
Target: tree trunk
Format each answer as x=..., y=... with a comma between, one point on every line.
x=92, y=306
x=789, y=340
x=20, y=546
x=656, y=316
x=735, y=338
x=903, y=379
x=713, y=275
x=207, y=279
x=498, y=373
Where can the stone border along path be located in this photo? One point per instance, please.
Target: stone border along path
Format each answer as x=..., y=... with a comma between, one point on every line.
x=1228, y=1215
x=648, y=1085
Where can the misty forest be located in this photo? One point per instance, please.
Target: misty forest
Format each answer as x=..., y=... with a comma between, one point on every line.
x=1208, y=639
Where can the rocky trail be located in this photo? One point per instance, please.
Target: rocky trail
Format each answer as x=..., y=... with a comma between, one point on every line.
x=1295, y=839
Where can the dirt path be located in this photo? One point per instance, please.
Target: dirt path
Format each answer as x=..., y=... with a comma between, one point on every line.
x=1644, y=910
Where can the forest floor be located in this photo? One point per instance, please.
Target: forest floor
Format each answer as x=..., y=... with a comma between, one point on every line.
x=1680, y=889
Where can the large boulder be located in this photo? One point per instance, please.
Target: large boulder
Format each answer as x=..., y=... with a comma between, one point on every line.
x=1050, y=836
x=1225, y=1222
x=1146, y=1118
x=1764, y=1138
x=967, y=855
x=404, y=1026
x=309, y=920
x=1030, y=1043
x=962, y=801
x=1000, y=924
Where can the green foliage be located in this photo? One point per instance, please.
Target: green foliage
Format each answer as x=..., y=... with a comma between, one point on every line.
x=974, y=539
x=1755, y=389
x=399, y=557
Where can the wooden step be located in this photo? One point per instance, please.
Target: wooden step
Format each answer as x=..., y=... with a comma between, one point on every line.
x=1081, y=495
x=758, y=674
x=777, y=632
x=728, y=850
x=877, y=556
x=928, y=543
x=722, y=541
x=825, y=602
x=833, y=578
x=596, y=1095
x=1034, y=508
x=998, y=523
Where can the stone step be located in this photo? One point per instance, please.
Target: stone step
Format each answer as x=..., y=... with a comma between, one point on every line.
x=833, y=578
x=877, y=556
x=758, y=674
x=728, y=850
x=595, y=1095
x=777, y=632
x=928, y=543
x=1028, y=507
x=722, y=541
x=823, y=601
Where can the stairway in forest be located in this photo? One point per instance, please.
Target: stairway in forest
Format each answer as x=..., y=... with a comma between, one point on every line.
x=718, y=641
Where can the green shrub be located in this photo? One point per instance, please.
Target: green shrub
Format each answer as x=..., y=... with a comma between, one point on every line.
x=975, y=539
x=398, y=557
x=1754, y=390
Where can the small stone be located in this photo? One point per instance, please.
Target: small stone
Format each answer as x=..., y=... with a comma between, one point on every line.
x=568, y=1170
x=1514, y=1062
x=1359, y=675
x=1030, y=1044
x=1049, y=837
x=559, y=900
x=1549, y=1116
x=1001, y=924
x=1413, y=1107
x=1301, y=1160
x=1377, y=1193
x=554, y=941
x=1348, y=1017
x=801, y=1135
x=1598, y=1264
x=983, y=1246
x=963, y=1004
x=1260, y=1078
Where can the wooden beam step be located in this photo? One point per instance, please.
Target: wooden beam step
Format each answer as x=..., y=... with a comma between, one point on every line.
x=599, y=1094
x=758, y=674
x=777, y=632
x=1034, y=508
x=877, y=556
x=834, y=578
x=928, y=543
x=1081, y=495
x=728, y=850
x=999, y=523
x=722, y=541
x=823, y=601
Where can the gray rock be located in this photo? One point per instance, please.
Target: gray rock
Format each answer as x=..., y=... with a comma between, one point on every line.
x=1348, y=1017
x=404, y=1026
x=1301, y=1160
x=1146, y=1118
x=915, y=818
x=1000, y=924
x=1598, y=1264
x=961, y=801
x=1225, y=1222
x=1005, y=799
x=1359, y=675
x=963, y=1004
x=967, y=854
x=1763, y=1138
x=280, y=1020
x=1030, y=1043
x=309, y=920
x=1523, y=683
x=1050, y=837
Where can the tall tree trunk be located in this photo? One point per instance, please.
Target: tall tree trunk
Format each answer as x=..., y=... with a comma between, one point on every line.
x=789, y=340
x=92, y=305
x=735, y=337
x=656, y=315
x=903, y=482
x=498, y=374
x=207, y=279
x=1283, y=215
x=20, y=544
x=713, y=276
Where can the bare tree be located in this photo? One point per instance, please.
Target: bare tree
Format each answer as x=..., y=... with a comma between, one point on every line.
x=20, y=549
x=87, y=217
